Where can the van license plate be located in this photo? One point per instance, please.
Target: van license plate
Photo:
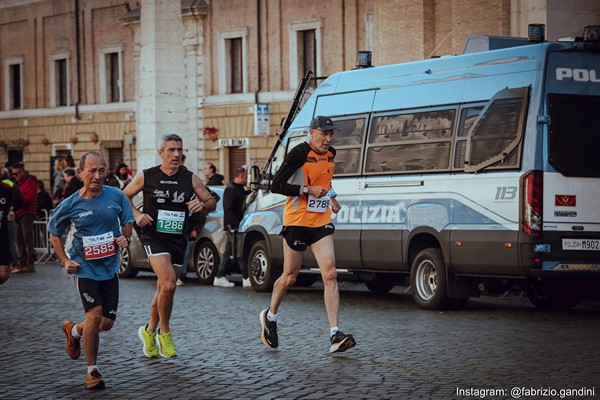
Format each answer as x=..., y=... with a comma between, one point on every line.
x=581, y=244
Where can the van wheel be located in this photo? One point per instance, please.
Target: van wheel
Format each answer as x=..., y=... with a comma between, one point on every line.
x=546, y=296
x=207, y=262
x=260, y=270
x=126, y=269
x=428, y=280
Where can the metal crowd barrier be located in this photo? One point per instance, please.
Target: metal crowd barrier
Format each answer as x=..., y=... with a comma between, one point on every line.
x=43, y=248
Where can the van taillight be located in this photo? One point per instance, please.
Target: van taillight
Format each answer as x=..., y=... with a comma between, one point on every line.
x=532, y=203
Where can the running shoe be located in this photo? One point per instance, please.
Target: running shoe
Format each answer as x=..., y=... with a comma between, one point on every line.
x=223, y=282
x=27, y=268
x=93, y=380
x=246, y=283
x=269, y=330
x=73, y=347
x=341, y=342
x=149, y=341
x=166, y=347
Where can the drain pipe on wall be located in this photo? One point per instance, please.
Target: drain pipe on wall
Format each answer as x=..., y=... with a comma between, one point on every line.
x=78, y=60
x=258, y=29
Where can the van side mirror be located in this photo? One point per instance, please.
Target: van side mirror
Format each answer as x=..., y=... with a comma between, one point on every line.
x=254, y=178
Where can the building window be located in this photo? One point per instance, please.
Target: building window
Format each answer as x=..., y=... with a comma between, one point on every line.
x=13, y=92
x=60, y=94
x=111, y=74
x=233, y=55
x=369, y=31
x=305, y=50
x=236, y=73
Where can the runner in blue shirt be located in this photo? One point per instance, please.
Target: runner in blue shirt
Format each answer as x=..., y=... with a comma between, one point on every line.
x=102, y=218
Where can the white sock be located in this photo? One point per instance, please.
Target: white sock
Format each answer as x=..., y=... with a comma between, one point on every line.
x=93, y=367
x=271, y=317
x=74, y=332
x=333, y=330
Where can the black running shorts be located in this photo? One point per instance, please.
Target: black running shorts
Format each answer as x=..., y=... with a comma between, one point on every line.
x=99, y=293
x=5, y=256
x=174, y=246
x=300, y=237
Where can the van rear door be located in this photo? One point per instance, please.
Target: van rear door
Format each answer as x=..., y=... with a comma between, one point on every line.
x=571, y=182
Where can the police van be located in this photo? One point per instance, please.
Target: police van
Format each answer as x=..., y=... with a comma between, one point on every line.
x=459, y=176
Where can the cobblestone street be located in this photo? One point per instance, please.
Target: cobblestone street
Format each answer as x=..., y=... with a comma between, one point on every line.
x=402, y=351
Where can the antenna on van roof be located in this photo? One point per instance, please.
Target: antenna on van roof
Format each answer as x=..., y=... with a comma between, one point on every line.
x=455, y=27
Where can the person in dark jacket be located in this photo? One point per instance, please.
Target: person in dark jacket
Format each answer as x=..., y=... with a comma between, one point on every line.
x=44, y=201
x=233, y=211
x=25, y=217
x=212, y=178
x=73, y=182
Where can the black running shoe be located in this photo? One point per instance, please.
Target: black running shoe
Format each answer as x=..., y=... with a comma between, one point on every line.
x=269, y=330
x=341, y=342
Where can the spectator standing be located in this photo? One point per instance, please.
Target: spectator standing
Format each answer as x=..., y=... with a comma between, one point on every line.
x=111, y=180
x=69, y=161
x=233, y=211
x=25, y=217
x=212, y=178
x=6, y=204
x=122, y=175
x=17, y=199
x=59, y=183
x=73, y=182
x=44, y=201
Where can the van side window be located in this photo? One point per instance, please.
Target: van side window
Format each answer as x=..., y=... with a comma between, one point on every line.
x=348, y=145
x=417, y=141
x=468, y=115
x=495, y=137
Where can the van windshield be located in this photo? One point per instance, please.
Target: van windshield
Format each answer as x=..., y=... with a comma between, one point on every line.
x=574, y=134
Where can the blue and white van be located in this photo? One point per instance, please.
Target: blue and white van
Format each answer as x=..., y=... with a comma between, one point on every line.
x=461, y=175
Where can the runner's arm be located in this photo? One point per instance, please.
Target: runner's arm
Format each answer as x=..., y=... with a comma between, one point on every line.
x=131, y=190
x=294, y=160
x=204, y=200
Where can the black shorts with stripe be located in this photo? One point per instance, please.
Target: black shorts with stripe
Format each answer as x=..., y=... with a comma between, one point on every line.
x=165, y=244
x=300, y=237
x=99, y=293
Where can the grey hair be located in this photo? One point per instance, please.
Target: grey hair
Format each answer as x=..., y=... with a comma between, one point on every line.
x=90, y=153
x=168, y=137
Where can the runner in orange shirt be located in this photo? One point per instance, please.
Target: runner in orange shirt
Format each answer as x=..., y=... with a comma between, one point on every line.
x=305, y=177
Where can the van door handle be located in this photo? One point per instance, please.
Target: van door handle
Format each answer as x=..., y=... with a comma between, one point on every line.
x=393, y=184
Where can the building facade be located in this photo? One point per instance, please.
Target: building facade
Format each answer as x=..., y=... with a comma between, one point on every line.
x=74, y=75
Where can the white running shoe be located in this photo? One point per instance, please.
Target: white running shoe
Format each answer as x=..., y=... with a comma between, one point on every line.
x=179, y=282
x=223, y=282
x=246, y=283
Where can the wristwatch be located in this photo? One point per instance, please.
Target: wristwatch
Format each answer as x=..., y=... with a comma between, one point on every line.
x=305, y=190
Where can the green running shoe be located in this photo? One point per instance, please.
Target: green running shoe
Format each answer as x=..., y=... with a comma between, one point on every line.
x=149, y=340
x=166, y=347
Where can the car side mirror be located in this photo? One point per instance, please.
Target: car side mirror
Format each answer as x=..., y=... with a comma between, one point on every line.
x=254, y=178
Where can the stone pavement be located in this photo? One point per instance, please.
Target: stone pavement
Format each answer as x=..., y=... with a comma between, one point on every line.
x=403, y=352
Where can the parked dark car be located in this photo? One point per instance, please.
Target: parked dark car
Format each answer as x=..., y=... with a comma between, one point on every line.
x=205, y=254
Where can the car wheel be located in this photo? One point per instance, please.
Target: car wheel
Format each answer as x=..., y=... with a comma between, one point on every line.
x=428, y=280
x=379, y=286
x=207, y=262
x=546, y=296
x=259, y=267
x=126, y=269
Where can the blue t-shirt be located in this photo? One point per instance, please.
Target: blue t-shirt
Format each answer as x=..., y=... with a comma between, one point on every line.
x=97, y=223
